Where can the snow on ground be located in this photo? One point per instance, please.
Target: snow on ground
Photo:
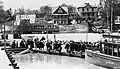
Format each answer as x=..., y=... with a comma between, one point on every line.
x=69, y=36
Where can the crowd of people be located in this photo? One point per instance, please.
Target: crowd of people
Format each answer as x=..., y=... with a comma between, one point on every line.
x=57, y=45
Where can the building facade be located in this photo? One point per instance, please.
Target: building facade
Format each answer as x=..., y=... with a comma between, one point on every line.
x=29, y=18
x=88, y=11
x=60, y=15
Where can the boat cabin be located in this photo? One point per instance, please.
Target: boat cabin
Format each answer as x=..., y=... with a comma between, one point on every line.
x=111, y=47
x=112, y=38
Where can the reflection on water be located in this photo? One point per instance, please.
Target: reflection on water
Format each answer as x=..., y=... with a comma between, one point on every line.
x=45, y=61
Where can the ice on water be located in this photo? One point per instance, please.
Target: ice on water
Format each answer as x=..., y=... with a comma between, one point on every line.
x=45, y=61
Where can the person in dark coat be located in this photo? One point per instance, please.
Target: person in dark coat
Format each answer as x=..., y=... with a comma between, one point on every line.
x=43, y=38
x=13, y=44
x=49, y=46
x=83, y=47
x=55, y=46
x=67, y=46
x=59, y=47
x=31, y=44
x=41, y=44
x=37, y=43
x=28, y=43
x=72, y=46
x=23, y=44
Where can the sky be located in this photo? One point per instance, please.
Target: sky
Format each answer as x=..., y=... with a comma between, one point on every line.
x=35, y=4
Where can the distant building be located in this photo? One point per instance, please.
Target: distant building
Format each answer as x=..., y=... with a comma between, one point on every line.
x=117, y=21
x=30, y=24
x=116, y=24
x=60, y=15
x=88, y=11
x=25, y=18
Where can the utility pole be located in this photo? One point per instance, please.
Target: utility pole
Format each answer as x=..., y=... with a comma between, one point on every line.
x=5, y=34
x=4, y=37
x=111, y=8
x=111, y=19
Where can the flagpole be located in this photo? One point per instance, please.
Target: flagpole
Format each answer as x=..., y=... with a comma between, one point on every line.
x=87, y=37
x=5, y=34
x=47, y=31
x=54, y=33
x=111, y=17
x=54, y=37
x=4, y=37
x=88, y=29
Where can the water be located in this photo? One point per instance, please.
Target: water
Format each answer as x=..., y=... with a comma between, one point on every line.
x=45, y=61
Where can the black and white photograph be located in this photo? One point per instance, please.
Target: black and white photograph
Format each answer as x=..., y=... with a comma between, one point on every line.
x=59, y=34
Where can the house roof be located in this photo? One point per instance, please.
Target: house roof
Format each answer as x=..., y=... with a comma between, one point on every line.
x=64, y=5
x=55, y=8
x=87, y=4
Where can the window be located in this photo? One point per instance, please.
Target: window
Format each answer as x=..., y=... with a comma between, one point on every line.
x=119, y=18
x=83, y=15
x=60, y=11
x=92, y=9
x=54, y=21
x=115, y=50
x=88, y=14
x=87, y=9
x=83, y=9
x=118, y=51
x=110, y=50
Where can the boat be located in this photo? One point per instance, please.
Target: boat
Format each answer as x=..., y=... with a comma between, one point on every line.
x=108, y=55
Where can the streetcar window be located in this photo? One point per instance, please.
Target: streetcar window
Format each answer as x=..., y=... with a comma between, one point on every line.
x=49, y=27
x=54, y=27
x=118, y=51
x=115, y=50
x=110, y=50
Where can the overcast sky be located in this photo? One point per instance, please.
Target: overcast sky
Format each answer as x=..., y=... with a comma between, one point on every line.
x=35, y=4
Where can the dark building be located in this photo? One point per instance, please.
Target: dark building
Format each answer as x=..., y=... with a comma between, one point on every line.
x=88, y=11
x=60, y=15
x=27, y=28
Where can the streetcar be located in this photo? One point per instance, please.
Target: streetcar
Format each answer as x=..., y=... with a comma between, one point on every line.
x=27, y=28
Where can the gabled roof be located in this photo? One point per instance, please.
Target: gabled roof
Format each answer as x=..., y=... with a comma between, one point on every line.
x=85, y=5
x=65, y=8
x=64, y=5
x=55, y=9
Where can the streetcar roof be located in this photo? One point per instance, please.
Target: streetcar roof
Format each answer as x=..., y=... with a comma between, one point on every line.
x=110, y=43
x=111, y=36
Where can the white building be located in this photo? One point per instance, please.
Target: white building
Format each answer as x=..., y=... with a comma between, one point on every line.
x=29, y=18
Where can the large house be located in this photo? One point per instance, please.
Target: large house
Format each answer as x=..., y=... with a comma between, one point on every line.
x=60, y=15
x=88, y=11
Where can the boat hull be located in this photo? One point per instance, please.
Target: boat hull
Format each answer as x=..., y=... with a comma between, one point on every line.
x=103, y=60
